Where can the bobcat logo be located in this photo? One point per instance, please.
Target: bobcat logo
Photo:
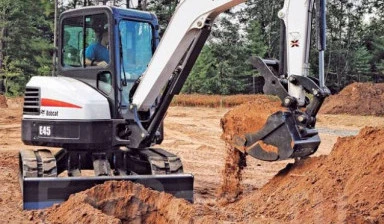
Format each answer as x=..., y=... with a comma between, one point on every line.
x=295, y=43
x=295, y=36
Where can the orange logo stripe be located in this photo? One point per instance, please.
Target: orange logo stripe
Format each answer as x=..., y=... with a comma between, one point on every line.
x=57, y=103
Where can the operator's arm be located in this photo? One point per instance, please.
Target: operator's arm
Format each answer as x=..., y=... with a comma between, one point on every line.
x=92, y=57
x=89, y=62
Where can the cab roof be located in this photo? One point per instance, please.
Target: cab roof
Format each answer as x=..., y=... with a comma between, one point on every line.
x=115, y=11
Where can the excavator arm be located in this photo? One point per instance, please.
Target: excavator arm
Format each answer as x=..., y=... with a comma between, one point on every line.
x=291, y=131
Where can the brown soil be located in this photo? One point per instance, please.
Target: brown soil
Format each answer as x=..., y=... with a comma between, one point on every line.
x=357, y=99
x=198, y=100
x=3, y=101
x=266, y=147
x=231, y=187
x=249, y=117
x=344, y=187
x=246, y=118
x=119, y=202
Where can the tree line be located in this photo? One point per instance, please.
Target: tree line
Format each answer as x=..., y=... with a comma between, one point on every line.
x=355, y=42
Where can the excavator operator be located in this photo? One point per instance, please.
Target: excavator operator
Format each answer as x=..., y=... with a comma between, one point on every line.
x=97, y=54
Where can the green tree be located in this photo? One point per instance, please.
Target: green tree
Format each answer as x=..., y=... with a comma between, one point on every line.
x=163, y=9
x=26, y=39
x=264, y=13
x=354, y=51
x=222, y=66
x=254, y=42
x=360, y=65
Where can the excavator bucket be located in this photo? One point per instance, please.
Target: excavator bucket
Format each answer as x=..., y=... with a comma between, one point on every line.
x=280, y=138
x=290, y=133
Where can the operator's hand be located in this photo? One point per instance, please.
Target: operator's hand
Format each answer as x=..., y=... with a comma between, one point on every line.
x=102, y=63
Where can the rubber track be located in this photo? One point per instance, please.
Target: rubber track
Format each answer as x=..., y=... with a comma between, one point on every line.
x=38, y=163
x=163, y=162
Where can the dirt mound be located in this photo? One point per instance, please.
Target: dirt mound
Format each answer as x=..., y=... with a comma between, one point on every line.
x=345, y=187
x=246, y=118
x=357, y=99
x=198, y=100
x=119, y=202
x=3, y=102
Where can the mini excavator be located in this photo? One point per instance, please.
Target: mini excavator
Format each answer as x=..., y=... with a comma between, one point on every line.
x=107, y=117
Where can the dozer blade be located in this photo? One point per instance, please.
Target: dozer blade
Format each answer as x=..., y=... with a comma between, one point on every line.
x=280, y=138
x=39, y=193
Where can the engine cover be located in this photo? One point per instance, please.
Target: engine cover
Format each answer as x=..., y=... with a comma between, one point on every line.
x=63, y=98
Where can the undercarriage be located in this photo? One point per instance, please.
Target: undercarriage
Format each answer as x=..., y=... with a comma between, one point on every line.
x=49, y=178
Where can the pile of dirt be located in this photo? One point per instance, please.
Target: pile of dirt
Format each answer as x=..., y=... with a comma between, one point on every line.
x=246, y=118
x=346, y=186
x=119, y=202
x=3, y=101
x=343, y=187
x=357, y=99
x=199, y=100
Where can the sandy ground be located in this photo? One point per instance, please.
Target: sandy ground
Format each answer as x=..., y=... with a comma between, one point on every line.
x=193, y=133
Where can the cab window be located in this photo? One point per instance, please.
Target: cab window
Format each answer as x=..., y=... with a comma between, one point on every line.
x=72, y=41
x=89, y=49
x=136, y=50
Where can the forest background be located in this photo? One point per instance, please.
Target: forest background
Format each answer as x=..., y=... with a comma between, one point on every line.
x=355, y=42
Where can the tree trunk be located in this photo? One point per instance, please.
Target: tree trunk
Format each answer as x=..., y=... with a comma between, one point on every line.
x=55, y=39
x=2, y=47
x=74, y=3
x=142, y=4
